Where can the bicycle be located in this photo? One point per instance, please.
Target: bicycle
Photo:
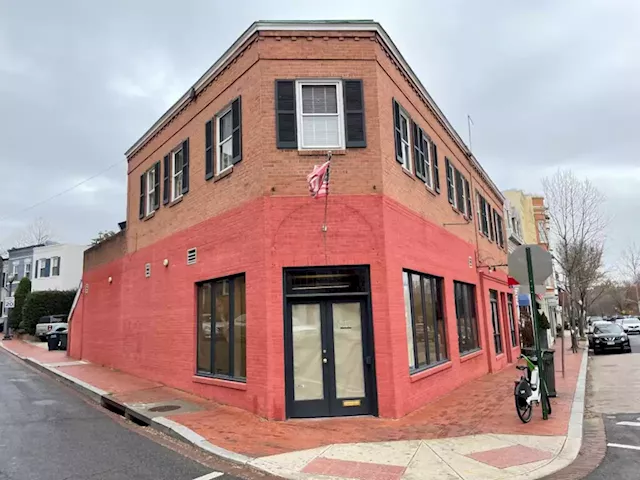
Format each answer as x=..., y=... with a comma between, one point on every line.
x=528, y=389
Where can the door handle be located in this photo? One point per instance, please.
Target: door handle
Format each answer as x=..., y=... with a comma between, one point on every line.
x=324, y=360
x=368, y=360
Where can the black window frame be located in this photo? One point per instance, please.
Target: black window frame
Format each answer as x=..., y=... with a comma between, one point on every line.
x=211, y=373
x=495, y=321
x=465, y=299
x=483, y=219
x=451, y=194
x=512, y=320
x=436, y=286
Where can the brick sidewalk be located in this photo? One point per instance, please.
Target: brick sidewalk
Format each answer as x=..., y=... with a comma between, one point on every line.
x=483, y=406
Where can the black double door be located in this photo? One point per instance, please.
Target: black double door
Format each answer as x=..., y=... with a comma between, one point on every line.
x=329, y=357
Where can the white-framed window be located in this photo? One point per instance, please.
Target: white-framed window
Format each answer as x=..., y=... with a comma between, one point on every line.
x=320, y=115
x=428, y=163
x=43, y=268
x=225, y=140
x=151, y=190
x=177, y=160
x=27, y=268
x=405, y=140
x=55, y=266
x=14, y=270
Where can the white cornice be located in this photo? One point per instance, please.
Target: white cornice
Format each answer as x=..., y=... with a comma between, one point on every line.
x=321, y=25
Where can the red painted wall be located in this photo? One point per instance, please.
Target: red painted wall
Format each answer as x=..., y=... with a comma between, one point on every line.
x=147, y=326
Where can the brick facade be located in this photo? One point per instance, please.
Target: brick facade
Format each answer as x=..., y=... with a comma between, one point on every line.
x=259, y=219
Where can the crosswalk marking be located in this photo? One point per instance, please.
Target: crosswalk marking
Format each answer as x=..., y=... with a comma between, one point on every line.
x=620, y=445
x=629, y=424
x=210, y=476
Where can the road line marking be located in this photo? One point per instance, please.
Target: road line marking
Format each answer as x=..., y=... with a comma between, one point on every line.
x=617, y=445
x=629, y=424
x=210, y=476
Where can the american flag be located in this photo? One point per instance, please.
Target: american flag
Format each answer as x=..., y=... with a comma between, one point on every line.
x=319, y=180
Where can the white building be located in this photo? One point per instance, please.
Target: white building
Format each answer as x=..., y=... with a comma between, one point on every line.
x=57, y=267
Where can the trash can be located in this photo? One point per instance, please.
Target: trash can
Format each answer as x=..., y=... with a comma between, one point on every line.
x=549, y=371
x=63, y=340
x=53, y=341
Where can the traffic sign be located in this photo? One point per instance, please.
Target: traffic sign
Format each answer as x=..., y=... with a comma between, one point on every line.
x=10, y=302
x=540, y=262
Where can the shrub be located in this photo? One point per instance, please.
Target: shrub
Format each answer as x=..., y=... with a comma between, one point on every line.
x=49, y=302
x=15, y=314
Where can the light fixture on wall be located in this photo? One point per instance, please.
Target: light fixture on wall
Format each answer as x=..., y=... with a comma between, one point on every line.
x=110, y=279
x=165, y=262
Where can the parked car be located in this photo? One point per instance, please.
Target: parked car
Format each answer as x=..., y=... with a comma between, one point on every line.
x=631, y=325
x=590, y=330
x=610, y=337
x=48, y=323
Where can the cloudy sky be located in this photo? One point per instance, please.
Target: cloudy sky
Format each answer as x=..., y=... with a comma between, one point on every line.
x=548, y=84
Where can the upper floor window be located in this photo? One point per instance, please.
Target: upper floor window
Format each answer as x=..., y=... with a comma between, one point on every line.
x=55, y=266
x=177, y=164
x=27, y=268
x=451, y=186
x=152, y=182
x=14, y=267
x=44, y=264
x=402, y=133
x=320, y=114
x=225, y=138
x=542, y=232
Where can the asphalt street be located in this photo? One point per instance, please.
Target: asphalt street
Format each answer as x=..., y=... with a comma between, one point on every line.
x=48, y=432
x=622, y=430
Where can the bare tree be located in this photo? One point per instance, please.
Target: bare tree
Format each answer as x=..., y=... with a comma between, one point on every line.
x=630, y=268
x=102, y=236
x=619, y=294
x=577, y=231
x=37, y=232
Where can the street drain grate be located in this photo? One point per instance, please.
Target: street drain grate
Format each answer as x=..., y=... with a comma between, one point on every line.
x=165, y=408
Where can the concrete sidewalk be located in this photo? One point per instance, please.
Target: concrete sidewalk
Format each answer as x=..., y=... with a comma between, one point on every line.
x=471, y=433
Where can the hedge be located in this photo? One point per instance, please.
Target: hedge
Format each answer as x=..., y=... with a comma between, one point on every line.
x=20, y=295
x=49, y=302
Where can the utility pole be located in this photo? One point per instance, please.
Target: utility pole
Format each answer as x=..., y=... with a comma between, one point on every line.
x=7, y=335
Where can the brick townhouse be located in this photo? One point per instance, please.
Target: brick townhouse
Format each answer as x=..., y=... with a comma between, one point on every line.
x=226, y=283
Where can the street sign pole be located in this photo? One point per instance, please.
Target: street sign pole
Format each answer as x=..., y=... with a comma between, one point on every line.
x=534, y=315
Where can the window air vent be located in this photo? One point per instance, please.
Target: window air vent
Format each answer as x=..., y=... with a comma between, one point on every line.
x=192, y=256
x=147, y=270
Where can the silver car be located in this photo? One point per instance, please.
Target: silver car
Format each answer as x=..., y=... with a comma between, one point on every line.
x=631, y=325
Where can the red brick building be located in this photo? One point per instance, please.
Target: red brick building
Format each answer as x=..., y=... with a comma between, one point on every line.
x=225, y=283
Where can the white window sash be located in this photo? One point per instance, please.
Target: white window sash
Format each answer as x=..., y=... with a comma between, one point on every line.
x=221, y=143
x=428, y=167
x=339, y=114
x=174, y=176
x=151, y=189
x=407, y=164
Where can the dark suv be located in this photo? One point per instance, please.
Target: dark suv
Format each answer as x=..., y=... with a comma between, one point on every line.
x=609, y=337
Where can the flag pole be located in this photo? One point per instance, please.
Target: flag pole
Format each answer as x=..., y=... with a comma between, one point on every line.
x=326, y=197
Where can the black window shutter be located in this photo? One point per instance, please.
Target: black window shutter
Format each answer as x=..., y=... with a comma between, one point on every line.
x=398, y=132
x=448, y=169
x=156, y=192
x=166, y=192
x=208, y=150
x=459, y=191
x=185, y=166
x=286, y=114
x=142, y=196
x=467, y=192
x=355, y=130
x=417, y=150
x=492, y=233
x=236, y=122
x=436, y=168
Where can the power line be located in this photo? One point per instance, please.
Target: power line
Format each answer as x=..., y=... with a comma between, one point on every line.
x=59, y=194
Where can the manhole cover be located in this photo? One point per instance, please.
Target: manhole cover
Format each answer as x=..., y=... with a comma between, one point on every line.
x=165, y=408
